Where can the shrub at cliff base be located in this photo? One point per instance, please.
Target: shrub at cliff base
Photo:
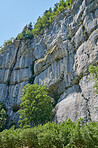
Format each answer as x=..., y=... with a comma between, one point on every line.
x=50, y=135
x=3, y=116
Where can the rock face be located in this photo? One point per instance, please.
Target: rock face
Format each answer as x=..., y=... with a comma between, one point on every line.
x=60, y=59
x=15, y=72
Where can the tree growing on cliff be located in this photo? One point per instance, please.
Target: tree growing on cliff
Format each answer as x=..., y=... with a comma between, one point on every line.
x=36, y=105
x=3, y=116
x=30, y=26
x=8, y=42
x=94, y=73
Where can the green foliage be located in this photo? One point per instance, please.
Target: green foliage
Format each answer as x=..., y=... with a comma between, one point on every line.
x=20, y=36
x=30, y=26
x=6, y=43
x=61, y=5
x=10, y=138
x=1, y=47
x=3, y=116
x=50, y=135
x=28, y=137
x=26, y=33
x=68, y=3
x=84, y=135
x=36, y=105
x=43, y=22
x=94, y=73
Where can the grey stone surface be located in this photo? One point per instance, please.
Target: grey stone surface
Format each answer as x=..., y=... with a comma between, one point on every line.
x=3, y=92
x=78, y=101
x=61, y=57
x=15, y=72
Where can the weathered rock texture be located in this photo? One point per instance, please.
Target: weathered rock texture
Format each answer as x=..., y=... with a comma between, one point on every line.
x=61, y=57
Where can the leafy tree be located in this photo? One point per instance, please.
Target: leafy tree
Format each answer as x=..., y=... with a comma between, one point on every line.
x=28, y=34
x=50, y=10
x=38, y=26
x=56, y=7
x=25, y=29
x=94, y=73
x=62, y=3
x=68, y=2
x=30, y=26
x=43, y=21
x=8, y=42
x=36, y=105
x=2, y=116
x=20, y=36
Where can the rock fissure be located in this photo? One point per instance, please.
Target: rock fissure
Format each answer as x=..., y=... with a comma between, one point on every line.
x=88, y=114
x=13, y=65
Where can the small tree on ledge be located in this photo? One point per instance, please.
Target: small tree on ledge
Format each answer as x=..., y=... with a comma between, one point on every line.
x=94, y=73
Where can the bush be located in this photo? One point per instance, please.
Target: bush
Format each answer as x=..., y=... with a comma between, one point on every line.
x=84, y=135
x=10, y=138
x=29, y=138
x=6, y=43
x=50, y=135
x=94, y=73
x=3, y=116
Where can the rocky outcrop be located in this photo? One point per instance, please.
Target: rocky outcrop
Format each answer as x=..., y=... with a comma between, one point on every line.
x=60, y=59
x=72, y=45
x=15, y=62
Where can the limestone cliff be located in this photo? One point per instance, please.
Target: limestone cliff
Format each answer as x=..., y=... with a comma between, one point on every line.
x=59, y=58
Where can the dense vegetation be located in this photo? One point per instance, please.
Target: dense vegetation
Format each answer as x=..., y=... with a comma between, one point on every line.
x=94, y=73
x=65, y=135
x=36, y=105
x=6, y=43
x=3, y=116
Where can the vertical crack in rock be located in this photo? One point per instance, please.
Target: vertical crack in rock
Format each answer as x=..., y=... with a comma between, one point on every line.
x=77, y=102
x=31, y=80
x=10, y=72
x=88, y=114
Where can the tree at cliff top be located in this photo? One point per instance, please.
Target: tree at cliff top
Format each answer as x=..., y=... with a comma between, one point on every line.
x=45, y=20
x=42, y=22
x=30, y=26
x=36, y=105
x=94, y=73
